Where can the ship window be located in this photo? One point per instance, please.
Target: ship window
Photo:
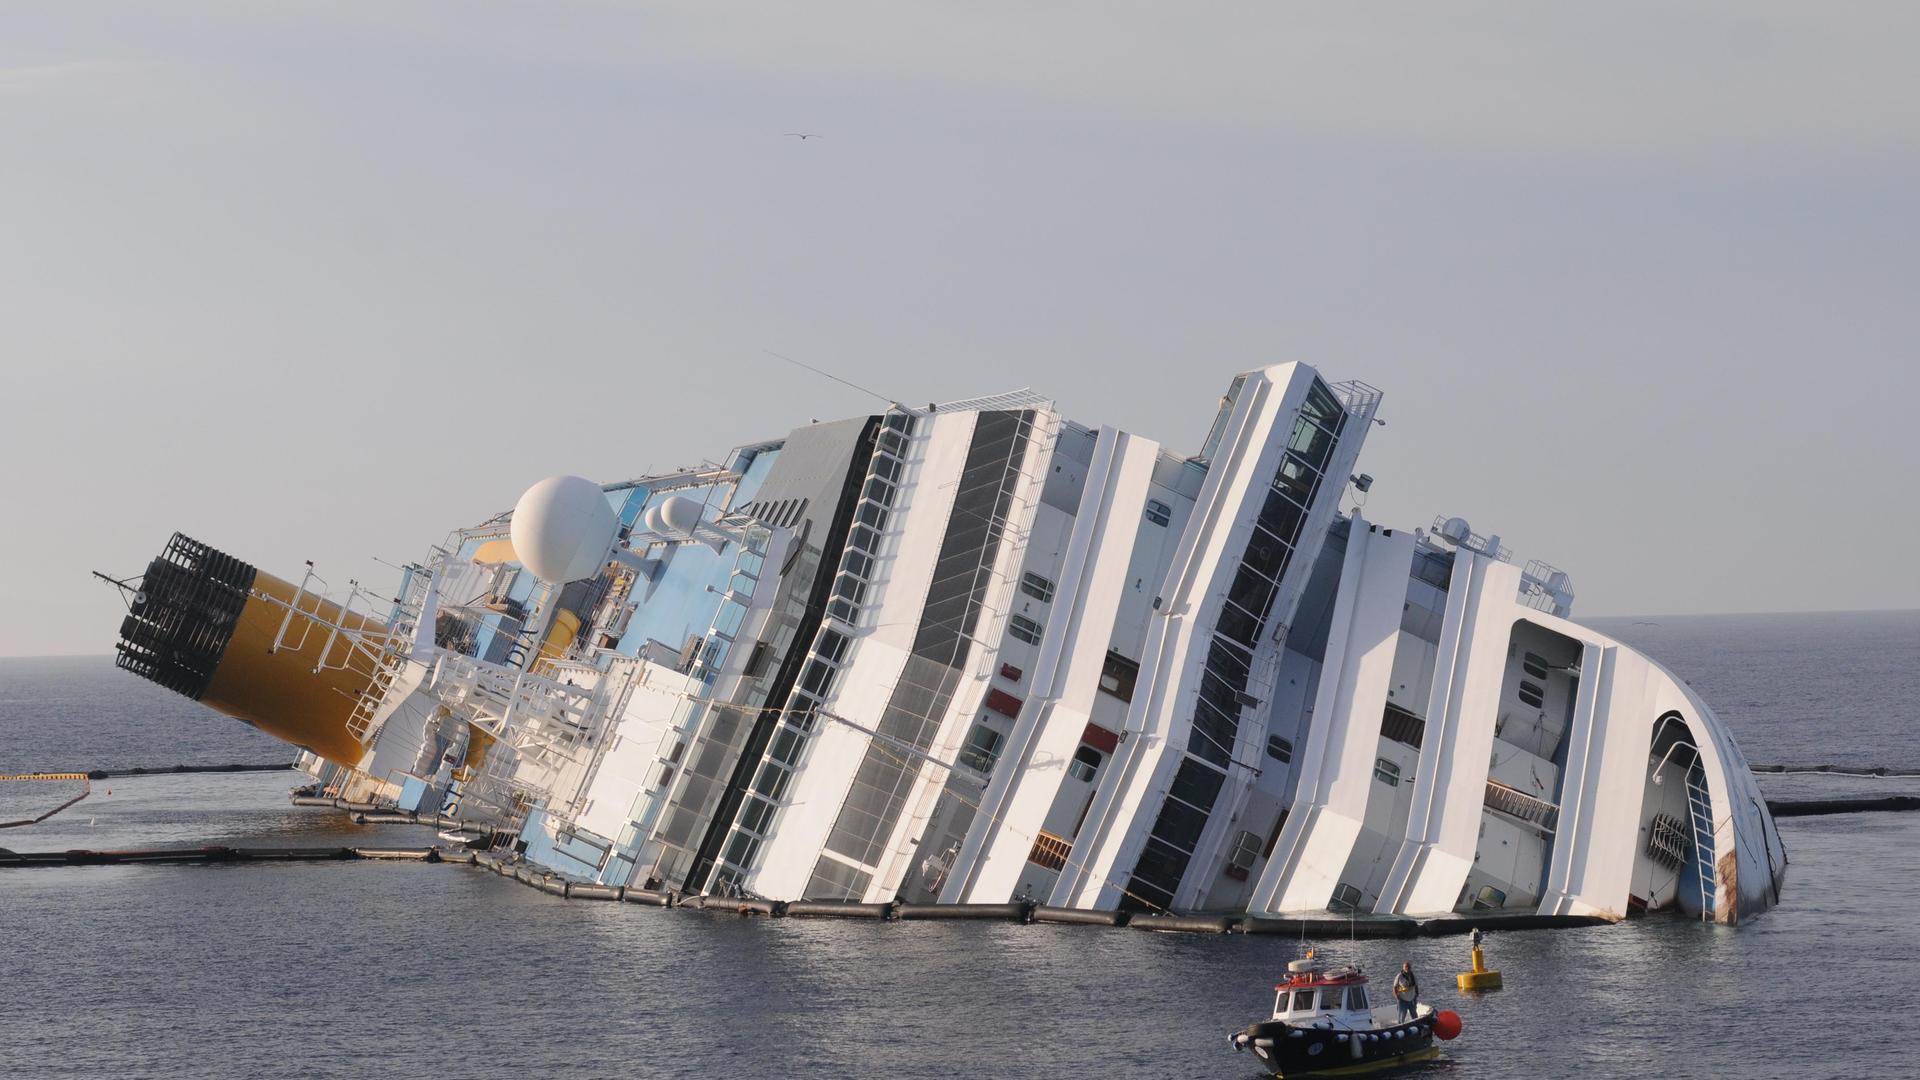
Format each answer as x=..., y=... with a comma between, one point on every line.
x=1386, y=772
x=1037, y=587
x=831, y=645
x=1158, y=512
x=1279, y=749
x=1332, y=997
x=1024, y=629
x=1086, y=761
x=757, y=661
x=1345, y=898
x=1357, y=997
x=1246, y=848
x=1534, y=665
x=1531, y=694
x=1490, y=897
x=983, y=747
x=1118, y=676
x=858, y=563
x=1302, y=999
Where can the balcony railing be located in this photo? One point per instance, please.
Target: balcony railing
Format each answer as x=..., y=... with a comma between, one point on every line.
x=1403, y=727
x=1519, y=805
x=1050, y=852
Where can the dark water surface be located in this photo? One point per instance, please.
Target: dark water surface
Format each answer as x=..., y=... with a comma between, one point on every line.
x=384, y=969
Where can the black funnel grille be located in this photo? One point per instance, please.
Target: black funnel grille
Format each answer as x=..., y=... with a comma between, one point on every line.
x=182, y=618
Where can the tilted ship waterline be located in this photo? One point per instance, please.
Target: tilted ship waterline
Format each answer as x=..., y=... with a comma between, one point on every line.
x=977, y=652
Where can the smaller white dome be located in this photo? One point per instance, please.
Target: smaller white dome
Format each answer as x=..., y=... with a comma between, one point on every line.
x=680, y=515
x=1456, y=529
x=651, y=519
x=563, y=529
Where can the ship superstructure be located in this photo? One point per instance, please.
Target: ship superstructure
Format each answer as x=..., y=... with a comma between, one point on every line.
x=976, y=652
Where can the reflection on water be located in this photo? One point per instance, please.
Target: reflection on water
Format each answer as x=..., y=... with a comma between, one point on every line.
x=390, y=968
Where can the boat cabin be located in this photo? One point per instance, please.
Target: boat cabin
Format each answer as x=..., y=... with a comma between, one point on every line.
x=1314, y=996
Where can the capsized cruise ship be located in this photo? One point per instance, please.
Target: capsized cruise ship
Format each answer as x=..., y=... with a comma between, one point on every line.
x=978, y=652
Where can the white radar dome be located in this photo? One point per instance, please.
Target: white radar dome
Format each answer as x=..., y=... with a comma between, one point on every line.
x=563, y=529
x=680, y=514
x=1456, y=529
x=651, y=519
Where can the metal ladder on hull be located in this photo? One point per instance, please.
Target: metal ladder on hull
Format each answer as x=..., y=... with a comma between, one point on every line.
x=1700, y=807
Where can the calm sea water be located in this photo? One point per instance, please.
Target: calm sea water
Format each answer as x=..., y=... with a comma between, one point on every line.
x=370, y=969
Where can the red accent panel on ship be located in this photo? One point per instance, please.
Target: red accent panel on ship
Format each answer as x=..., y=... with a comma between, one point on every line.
x=1100, y=738
x=1003, y=703
x=1008, y=671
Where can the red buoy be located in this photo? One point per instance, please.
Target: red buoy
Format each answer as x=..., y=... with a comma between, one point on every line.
x=1446, y=1024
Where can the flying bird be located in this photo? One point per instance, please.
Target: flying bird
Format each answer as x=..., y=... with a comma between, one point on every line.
x=803, y=135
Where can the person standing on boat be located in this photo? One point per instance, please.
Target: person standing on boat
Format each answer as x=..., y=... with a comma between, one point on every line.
x=1406, y=989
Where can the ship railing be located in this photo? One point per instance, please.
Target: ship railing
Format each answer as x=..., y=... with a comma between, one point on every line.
x=1359, y=398
x=1518, y=804
x=1403, y=727
x=1473, y=542
x=1700, y=810
x=1050, y=852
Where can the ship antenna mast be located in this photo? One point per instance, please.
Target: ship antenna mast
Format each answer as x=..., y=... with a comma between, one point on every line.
x=830, y=375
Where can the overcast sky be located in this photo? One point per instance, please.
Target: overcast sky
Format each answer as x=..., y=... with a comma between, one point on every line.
x=1638, y=279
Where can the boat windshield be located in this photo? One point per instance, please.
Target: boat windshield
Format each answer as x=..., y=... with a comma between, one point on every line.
x=1330, y=998
x=1302, y=999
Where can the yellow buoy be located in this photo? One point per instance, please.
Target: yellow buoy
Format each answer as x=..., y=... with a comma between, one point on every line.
x=1479, y=978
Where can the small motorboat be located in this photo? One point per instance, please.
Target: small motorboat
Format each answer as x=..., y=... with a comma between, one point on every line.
x=1324, y=1025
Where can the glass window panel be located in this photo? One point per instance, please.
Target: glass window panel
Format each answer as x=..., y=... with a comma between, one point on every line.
x=1311, y=442
x=1231, y=663
x=1251, y=591
x=1160, y=867
x=832, y=645
x=1180, y=824
x=1293, y=484
x=727, y=620
x=1321, y=405
x=756, y=814
x=1386, y=772
x=1281, y=516
x=1238, y=625
x=858, y=563
x=740, y=850
x=816, y=678
x=1195, y=784
x=785, y=748
x=1266, y=553
x=1038, y=587
x=771, y=782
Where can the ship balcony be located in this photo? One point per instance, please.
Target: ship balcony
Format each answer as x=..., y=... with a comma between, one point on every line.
x=1538, y=813
x=1050, y=852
